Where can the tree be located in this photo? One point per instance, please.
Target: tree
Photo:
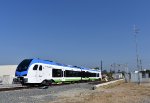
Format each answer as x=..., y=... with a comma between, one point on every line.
x=104, y=71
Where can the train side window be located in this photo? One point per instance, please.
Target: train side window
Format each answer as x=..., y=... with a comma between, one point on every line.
x=69, y=73
x=35, y=67
x=62, y=73
x=97, y=74
x=83, y=74
x=87, y=74
x=57, y=72
x=40, y=68
x=94, y=74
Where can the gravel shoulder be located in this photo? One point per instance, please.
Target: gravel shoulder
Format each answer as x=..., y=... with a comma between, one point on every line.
x=114, y=93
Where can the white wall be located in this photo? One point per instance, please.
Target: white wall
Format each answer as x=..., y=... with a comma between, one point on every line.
x=117, y=76
x=136, y=77
x=7, y=73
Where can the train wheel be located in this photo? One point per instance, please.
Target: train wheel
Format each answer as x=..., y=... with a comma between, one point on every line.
x=45, y=83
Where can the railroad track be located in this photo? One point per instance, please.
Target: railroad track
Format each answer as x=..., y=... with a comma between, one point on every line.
x=14, y=88
x=28, y=87
x=44, y=87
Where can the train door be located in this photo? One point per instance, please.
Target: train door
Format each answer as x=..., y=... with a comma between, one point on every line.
x=40, y=74
x=34, y=74
x=63, y=75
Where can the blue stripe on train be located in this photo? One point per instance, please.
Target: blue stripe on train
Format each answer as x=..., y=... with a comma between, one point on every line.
x=19, y=74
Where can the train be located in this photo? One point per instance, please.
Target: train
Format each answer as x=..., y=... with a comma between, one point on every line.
x=45, y=72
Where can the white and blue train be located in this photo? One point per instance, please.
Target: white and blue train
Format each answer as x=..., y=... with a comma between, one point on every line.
x=44, y=72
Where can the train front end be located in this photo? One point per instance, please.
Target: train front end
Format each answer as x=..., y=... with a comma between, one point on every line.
x=22, y=72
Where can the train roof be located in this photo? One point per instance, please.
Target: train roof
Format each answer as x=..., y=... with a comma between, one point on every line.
x=60, y=64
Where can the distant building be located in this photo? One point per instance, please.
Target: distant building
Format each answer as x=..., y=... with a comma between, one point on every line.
x=117, y=75
x=7, y=73
x=142, y=76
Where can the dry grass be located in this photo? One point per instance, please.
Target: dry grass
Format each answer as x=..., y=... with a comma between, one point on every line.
x=122, y=93
x=115, y=93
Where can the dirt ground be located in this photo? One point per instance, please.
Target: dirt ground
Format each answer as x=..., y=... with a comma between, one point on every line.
x=115, y=93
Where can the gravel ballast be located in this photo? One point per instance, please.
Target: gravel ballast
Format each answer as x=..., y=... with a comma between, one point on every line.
x=37, y=95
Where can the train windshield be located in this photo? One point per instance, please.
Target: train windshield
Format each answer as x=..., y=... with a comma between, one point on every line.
x=23, y=66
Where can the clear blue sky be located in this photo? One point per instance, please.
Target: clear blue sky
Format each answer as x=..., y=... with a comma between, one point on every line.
x=77, y=32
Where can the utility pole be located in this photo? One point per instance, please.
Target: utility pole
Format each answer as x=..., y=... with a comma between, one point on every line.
x=126, y=68
x=141, y=65
x=101, y=65
x=136, y=31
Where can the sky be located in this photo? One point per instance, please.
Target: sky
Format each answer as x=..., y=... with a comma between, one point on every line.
x=76, y=32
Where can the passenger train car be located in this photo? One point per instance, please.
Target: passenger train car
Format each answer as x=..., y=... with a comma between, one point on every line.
x=37, y=71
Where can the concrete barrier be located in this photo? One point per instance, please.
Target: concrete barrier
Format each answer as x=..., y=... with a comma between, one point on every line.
x=103, y=84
